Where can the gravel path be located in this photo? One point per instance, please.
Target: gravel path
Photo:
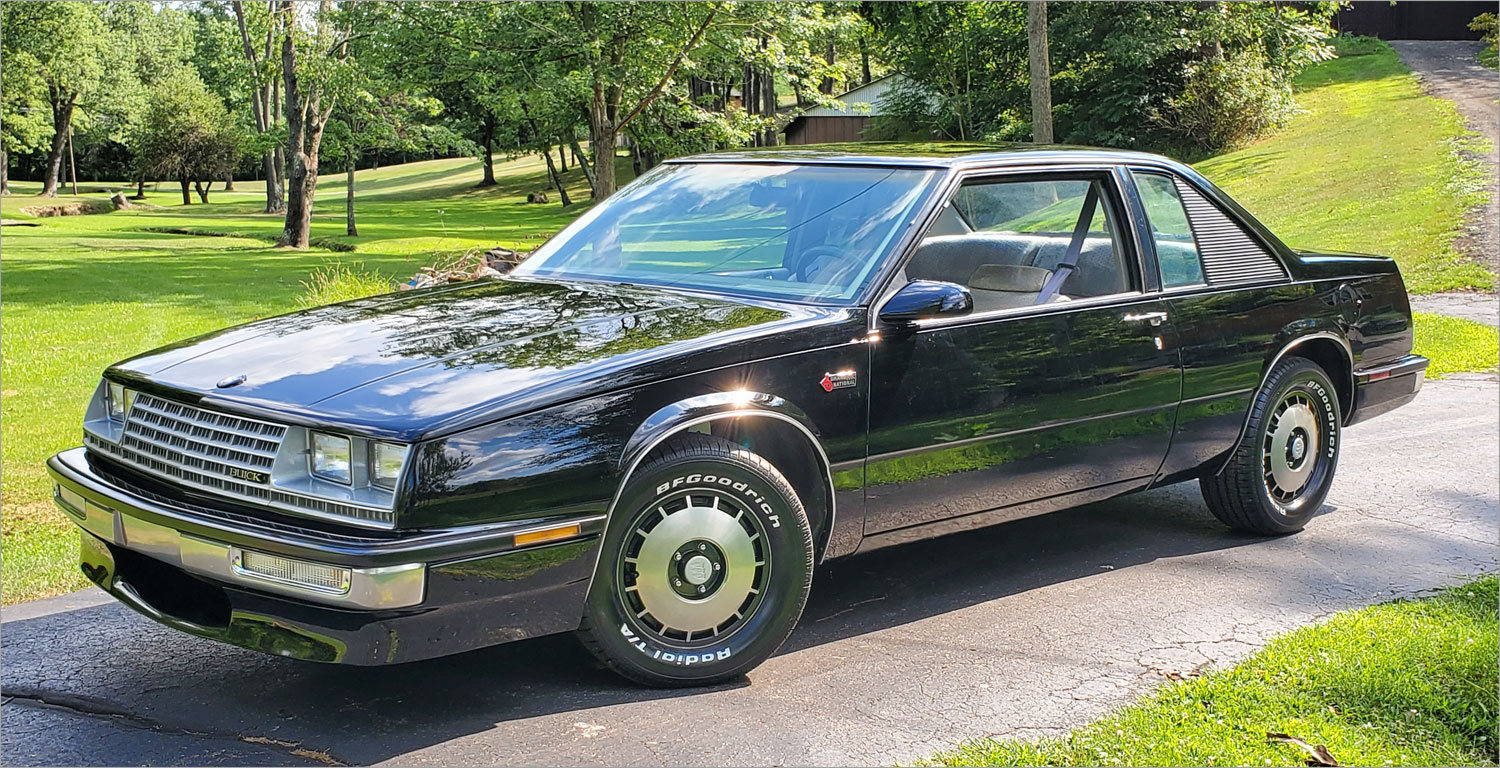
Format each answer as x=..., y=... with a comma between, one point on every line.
x=1022, y=629
x=1479, y=307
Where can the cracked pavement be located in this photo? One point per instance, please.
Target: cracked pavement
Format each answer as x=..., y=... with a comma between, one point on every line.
x=1020, y=630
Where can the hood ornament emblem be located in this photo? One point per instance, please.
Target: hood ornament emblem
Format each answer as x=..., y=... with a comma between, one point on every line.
x=231, y=381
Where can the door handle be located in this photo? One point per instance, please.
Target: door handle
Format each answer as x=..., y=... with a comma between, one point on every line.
x=1155, y=318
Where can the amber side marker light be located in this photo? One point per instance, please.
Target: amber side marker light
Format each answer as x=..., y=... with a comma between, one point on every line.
x=547, y=534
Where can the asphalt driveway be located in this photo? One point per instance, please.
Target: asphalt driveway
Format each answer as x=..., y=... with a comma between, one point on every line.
x=1021, y=629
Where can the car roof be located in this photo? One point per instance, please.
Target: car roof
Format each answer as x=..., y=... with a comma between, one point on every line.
x=929, y=155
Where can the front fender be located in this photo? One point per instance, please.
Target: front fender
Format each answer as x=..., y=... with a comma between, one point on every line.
x=702, y=409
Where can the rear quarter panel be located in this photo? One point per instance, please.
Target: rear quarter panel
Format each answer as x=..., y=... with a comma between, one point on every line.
x=1228, y=339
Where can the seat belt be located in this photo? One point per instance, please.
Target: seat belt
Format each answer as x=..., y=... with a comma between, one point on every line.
x=1069, y=261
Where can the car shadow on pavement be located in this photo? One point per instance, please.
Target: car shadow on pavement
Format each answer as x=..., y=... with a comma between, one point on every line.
x=105, y=659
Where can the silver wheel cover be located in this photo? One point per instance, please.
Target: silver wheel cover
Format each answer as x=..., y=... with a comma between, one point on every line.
x=654, y=565
x=1291, y=446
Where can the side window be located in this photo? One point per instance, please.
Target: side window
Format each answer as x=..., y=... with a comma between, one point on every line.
x=1009, y=243
x=1176, y=250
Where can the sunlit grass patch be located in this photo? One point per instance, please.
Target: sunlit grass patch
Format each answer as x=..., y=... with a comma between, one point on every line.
x=1456, y=345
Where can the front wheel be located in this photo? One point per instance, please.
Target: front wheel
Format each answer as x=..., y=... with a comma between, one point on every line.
x=704, y=568
x=1282, y=469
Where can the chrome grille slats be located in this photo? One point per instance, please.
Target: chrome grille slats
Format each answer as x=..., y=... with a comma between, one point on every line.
x=197, y=448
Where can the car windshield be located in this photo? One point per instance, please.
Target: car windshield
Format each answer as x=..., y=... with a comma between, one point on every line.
x=813, y=233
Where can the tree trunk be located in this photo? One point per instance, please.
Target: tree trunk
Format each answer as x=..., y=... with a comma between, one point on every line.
x=278, y=167
x=486, y=145
x=229, y=182
x=582, y=162
x=1041, y=72
x=603, y=133
x=864, y=61
x=306, y=117
x=72, y=166
x=262, y=106
x=562, y=157
x=826, y=86
x=202, y=190
x=187, y=198
x=140, y=188
x=349, y=228
x=62, y=120
x=4, y=172
x=562, y=191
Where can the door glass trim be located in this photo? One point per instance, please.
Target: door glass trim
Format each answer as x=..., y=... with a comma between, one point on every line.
x=1037, y=310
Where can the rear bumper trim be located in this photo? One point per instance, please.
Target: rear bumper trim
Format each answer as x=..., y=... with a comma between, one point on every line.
x=1386, y=387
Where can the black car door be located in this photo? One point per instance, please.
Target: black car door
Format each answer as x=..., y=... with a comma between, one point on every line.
x=1055, y=384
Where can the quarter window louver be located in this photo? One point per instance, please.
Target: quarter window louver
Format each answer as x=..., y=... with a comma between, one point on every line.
x=1230, y=254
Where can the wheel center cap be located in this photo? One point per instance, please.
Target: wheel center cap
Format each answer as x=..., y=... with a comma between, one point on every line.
x=697, y=570
x=1299, y=446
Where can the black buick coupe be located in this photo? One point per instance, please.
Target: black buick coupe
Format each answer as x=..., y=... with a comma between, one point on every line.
x=735, y=368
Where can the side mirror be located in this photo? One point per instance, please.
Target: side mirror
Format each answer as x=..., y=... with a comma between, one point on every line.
x=922, y=299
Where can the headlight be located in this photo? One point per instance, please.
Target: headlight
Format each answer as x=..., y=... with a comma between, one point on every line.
x=385, y=463
x=330, y=458
x=119, y=399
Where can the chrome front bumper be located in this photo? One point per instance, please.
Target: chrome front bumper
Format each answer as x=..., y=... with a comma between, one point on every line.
x=394, y=586
x=349, y=572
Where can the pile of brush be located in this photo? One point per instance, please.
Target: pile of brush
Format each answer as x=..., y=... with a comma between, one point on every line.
x=469, y=265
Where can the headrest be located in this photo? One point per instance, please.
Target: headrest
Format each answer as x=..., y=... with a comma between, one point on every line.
x=1009, y=277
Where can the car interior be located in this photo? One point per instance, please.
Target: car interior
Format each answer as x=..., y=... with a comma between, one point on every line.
x=1005, y=268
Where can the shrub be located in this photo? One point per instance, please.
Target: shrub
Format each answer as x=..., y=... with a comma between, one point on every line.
x=335, y=281
x=1488, y=25
x=1227, y=102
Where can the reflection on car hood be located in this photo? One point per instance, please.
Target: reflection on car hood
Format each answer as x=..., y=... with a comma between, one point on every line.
x=430, y=361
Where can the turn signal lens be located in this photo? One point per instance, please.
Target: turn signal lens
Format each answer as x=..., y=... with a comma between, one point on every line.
x=549, y=534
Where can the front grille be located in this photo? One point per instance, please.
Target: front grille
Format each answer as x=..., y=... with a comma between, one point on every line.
x=212, y=451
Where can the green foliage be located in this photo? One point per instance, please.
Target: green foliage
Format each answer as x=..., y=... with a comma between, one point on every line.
x=185, y=133
x=1165, y=76
x=336, y=281
x=64, y=42
x=25, y=120
x=1404, y=683
x=1487, y=25
x=1227, y=101
x=1455, y=345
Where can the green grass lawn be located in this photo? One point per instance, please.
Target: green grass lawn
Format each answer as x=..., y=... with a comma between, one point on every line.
x=1369, y=167
x=1405, y=683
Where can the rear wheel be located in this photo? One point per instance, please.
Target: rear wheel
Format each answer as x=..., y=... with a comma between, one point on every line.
x=1283, y=467
x=704, y=569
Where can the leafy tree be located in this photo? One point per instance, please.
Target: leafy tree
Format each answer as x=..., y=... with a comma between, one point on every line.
x=65, y=42
x=149, y=43
x=186, y=134
x=24, y=124
x=1190, y=77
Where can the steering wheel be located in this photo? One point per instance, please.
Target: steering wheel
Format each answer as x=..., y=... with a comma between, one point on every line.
x=813, y=255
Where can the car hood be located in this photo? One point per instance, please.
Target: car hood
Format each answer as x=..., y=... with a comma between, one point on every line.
x=433, y=361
